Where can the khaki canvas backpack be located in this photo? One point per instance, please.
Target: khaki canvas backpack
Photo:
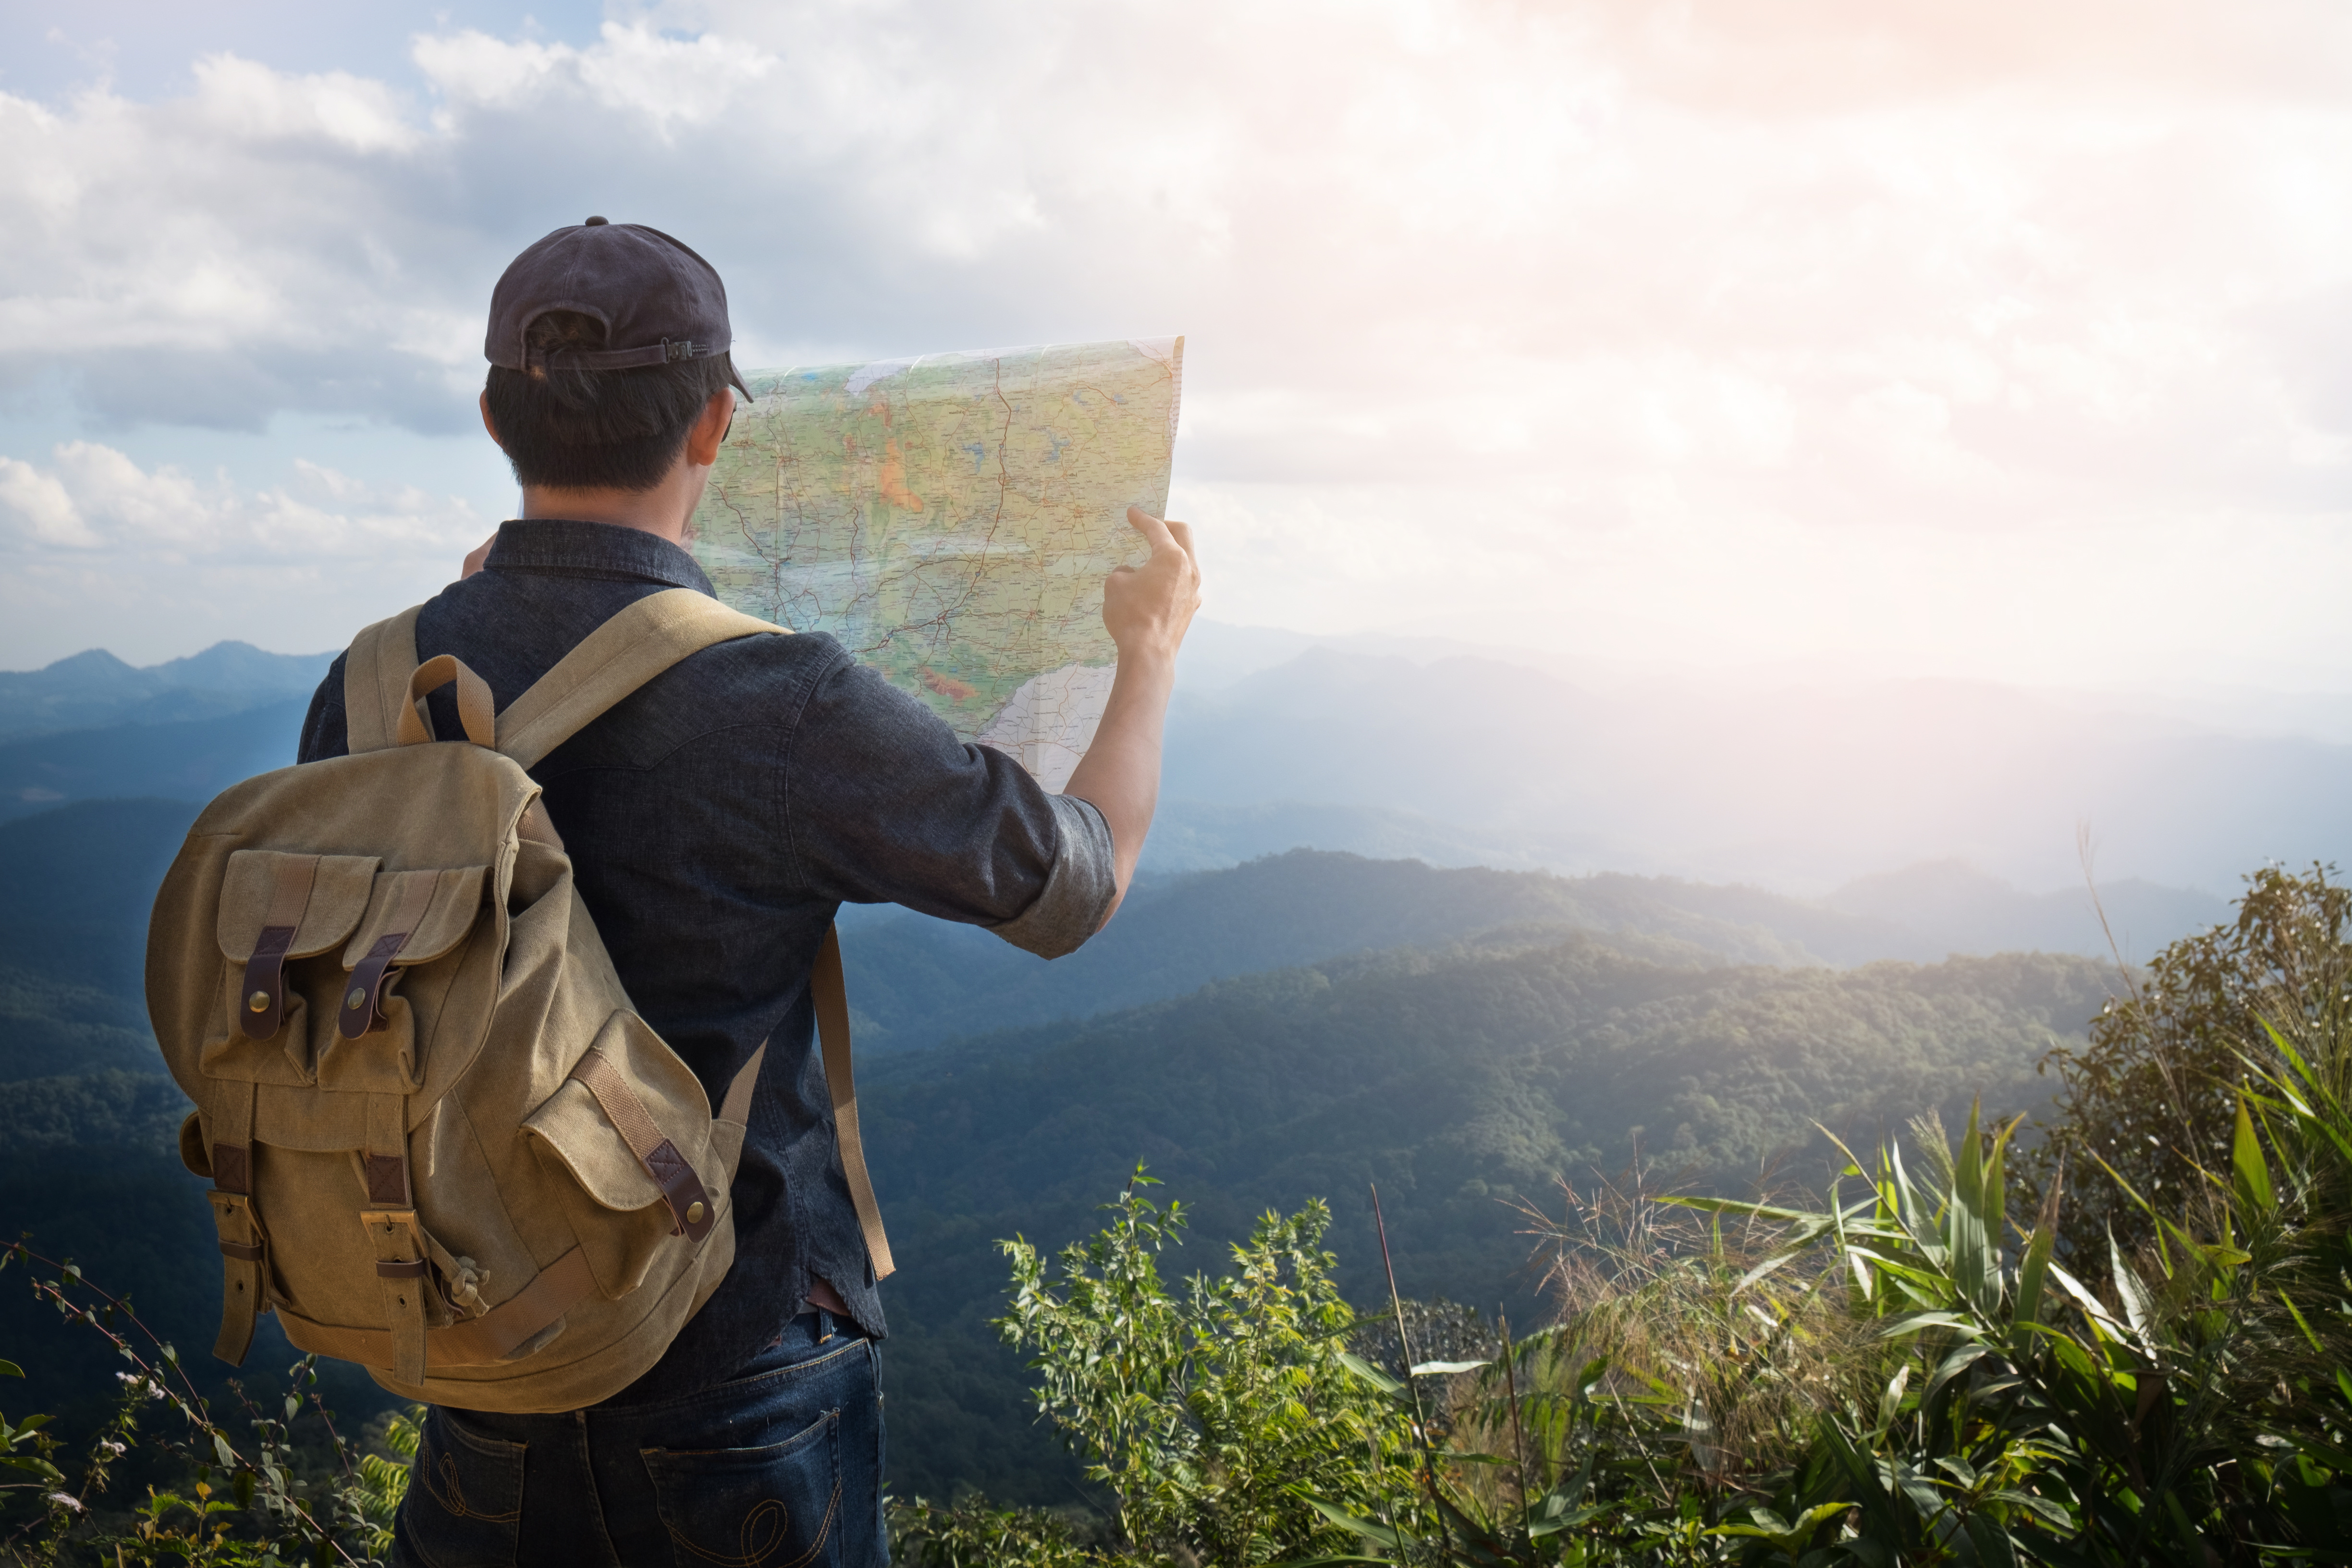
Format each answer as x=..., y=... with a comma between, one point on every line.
x=442, y=1143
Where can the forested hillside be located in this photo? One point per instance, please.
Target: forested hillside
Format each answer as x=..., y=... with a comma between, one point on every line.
x=76, y=884
x=1463, y=1081
x=917, y=982
x=194, y=760
x=1463, y=1036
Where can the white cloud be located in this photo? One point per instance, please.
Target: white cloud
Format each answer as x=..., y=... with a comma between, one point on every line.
x=94, y=498
x=40, y=507
x=1601, y=292
x=152, y=561
x=250, y=101
x=631, y=69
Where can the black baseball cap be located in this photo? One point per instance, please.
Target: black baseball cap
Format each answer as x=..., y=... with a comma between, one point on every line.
x=659, y=301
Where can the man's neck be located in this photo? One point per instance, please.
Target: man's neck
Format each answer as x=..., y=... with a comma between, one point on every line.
x=661, y=511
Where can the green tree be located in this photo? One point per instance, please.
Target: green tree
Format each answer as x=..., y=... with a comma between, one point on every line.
x=2150, y=1097
x=1220, y=1415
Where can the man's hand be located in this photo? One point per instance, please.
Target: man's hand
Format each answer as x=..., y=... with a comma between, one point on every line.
x=1147, y=608
x=478, y=555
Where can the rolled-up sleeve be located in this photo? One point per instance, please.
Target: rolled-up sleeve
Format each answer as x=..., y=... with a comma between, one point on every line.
x=1078, y=889
x=882, y=804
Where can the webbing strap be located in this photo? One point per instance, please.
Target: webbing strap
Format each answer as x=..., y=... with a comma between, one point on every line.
x=401, y=1283
x=614, y=660
x=478, y=1341
x=376, y=672
x=737, y=1106
x=475, y=708
x=830, y=992
x=244, y=1245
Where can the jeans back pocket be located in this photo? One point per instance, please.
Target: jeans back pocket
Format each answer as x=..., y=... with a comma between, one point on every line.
x=777, y=1507
x=464, y=1508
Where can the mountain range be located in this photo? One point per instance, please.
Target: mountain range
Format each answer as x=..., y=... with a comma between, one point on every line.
x=1292, y=1027
x=1462, y=760
x=1449, y=923
x=95, y=688
x=1469, y=760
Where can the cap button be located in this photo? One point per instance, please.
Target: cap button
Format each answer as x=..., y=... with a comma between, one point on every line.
x=593, y=222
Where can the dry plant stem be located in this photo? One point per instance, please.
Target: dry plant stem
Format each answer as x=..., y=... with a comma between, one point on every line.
x=1405, y=1350
x=192, y=1405
x=1518, y=1438
x=2099, y=907
x=343, y=1451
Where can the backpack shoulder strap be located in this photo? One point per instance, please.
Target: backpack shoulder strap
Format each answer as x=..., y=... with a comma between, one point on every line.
x=830, y=992
x=376, y=673
x=614, y=660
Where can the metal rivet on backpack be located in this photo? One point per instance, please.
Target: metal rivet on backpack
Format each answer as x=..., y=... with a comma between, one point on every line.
x=259, y=1002
x=357, y=999
x=694, y=1213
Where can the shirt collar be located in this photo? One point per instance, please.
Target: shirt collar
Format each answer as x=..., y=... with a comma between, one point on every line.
x=561, y=547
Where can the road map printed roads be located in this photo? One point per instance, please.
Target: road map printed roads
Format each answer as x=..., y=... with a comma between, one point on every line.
x=951, y=520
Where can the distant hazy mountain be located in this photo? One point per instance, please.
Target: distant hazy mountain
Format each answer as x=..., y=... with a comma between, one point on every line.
x=96, y=688
x=76, y=884
x=1462, y=760
x=1961, y=910
x=191, y=759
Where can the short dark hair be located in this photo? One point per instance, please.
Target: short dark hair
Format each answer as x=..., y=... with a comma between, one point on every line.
x=567, y=428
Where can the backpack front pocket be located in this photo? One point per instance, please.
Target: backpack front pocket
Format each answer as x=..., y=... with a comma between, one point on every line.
x=414, y=930
x=627, y=1136
x=280, y=912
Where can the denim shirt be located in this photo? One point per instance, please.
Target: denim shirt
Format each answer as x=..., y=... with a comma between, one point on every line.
x=716, y=819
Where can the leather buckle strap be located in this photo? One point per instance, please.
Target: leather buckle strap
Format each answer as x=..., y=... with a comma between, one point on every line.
x=261, y=991
x=263, y=988
x=363, y=999
x=363, y=1009
x=244, y=1244
x=244, y=1252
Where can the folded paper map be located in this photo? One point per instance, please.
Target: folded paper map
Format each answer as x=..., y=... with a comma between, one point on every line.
x=951, y=520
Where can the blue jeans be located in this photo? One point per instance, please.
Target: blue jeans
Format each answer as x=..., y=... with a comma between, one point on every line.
x=781, y=1467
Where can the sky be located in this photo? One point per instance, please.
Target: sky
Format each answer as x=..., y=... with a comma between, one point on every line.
x=1851, y=338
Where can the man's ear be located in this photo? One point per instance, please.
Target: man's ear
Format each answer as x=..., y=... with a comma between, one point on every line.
x=710, y=432
x=487, y=423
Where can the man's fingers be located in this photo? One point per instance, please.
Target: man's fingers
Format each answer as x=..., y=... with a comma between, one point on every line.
x=1183, y=534
x=1154, y=530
